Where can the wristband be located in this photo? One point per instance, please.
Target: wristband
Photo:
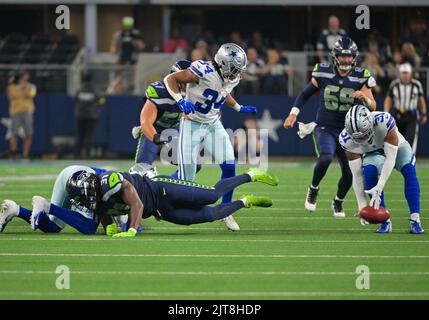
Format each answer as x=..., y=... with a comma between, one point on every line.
x=157, y=139
x=236, y=107
x=367, y=102
x=295, y=111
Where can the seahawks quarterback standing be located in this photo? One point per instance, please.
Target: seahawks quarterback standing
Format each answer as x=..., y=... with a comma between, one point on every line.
x=209, y=86
x=160, y=112
x=341, y=85
x=372, y=141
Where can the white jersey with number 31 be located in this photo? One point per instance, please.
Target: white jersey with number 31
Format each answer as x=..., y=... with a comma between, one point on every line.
x=383, y=124
x=208, y=95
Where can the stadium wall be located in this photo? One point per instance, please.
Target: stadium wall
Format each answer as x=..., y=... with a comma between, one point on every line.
x=54, y=117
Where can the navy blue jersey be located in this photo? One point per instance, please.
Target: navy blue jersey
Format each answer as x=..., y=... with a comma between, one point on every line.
x=168, y=112
x=336, y=92
x=111, y=193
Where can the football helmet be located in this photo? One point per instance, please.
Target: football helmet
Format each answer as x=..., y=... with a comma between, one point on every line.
x=359, y=124
x=231, y=60
x=345, y=46
x=83, y=187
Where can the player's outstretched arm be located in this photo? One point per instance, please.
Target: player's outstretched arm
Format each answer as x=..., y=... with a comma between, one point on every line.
x=131, y=198
x=355, y=163
x=231, y=102
x=311, y=88
x=172, y=85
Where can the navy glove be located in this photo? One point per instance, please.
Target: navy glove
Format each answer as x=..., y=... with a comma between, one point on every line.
x=248, y=109
x=186, y=106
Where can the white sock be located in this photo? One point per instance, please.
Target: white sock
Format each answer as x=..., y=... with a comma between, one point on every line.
x=415, y=217
x=313, y=187
x=250, y=174
x=338, y=199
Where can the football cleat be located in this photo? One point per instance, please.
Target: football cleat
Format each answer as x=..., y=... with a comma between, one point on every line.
x=416, y=227
x=311, y=200
x=40, y=205
x=8, y=210
x=337, y=208
x=250, y=201
x=258, y=175
x=386, y=227
x=231, y=224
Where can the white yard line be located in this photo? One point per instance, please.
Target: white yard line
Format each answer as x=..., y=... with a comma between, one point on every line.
x=259, y=256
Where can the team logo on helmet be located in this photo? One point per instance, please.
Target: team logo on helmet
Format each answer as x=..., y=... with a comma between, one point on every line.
x=232, y=61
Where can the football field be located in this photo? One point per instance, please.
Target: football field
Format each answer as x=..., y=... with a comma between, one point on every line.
x=282, y=252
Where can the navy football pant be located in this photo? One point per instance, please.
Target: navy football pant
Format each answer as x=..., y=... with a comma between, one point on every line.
x=327, y=145
x=185, y=202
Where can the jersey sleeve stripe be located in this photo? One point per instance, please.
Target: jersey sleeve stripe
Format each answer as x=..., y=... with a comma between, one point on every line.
x=390, y=124
x=163, y=101
x=196, y=71
x=111, y=192
x=323, y=75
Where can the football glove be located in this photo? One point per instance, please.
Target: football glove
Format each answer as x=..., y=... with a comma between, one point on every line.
x=157, y=139
x=111, y=229
x=248, y=109
x=136, y=131
x=186, y=106
x=131, y=233
x=375, y=194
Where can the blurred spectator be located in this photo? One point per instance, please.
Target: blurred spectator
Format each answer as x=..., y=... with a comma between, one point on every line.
x=410, y=55
x=417, y=34
x=235, y=37
x=392, y=68
x=203, y=47
x=21, y=95
x=275, y=72
x=380, y=46
x=176, y=43
x=328, y=37
x=251, y=83
x=87, y=112
x=254, y=138
x=196, y=54
x=127, y=42
x=259, y=43
x=409, y=104
x=371, y=63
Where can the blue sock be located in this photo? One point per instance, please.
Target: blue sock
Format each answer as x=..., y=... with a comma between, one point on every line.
x=46, y=225
x=74, y=219
x=411, y=187
x=24, y=214
x=370, y=174
x=228, y=171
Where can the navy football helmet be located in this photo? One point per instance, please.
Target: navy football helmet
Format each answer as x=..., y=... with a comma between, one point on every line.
x=83, y=187
x=345, y=46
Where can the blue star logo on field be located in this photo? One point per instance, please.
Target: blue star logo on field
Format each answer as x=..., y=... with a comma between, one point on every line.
x=267, y=122
x=233, y=54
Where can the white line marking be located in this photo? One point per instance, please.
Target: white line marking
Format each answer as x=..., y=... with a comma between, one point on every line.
x=259, y=256
x=218, y=273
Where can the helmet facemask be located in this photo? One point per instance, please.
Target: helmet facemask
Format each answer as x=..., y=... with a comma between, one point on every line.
x=345, y=67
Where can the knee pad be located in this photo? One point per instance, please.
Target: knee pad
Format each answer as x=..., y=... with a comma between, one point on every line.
x=228, y=169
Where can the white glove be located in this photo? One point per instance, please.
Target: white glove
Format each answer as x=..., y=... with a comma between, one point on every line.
x=375, y=194
x=304, y=129
x=136, y=131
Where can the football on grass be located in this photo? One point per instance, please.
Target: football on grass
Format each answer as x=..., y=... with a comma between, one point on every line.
x=374, y=216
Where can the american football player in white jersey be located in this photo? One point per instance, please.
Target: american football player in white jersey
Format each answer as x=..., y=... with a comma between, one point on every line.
x=209, y=86
x=374, y=146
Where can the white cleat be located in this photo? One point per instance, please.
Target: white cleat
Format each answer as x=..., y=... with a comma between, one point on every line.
x=311, y=199
x=337, y=209
x=8, y=210
x=40, y=205
x=231, y=224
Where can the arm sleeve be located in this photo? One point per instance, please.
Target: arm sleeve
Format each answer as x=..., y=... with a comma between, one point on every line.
x=358, y=186
x=303, y=97
x=390, y=151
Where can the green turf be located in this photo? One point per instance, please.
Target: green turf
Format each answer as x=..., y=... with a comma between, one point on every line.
x=282, y=252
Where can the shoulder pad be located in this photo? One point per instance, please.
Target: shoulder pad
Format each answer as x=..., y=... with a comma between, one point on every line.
x=111, y=184
x=201, y=68
x=344, y=139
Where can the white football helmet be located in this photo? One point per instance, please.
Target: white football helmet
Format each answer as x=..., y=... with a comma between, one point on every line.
x=359, y=124
x=232, y=61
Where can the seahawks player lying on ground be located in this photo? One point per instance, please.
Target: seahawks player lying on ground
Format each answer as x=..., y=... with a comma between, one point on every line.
x=341, y=85
x=160, y=112
x=372, y=140
x=208, y=87
x=177, y=201
x=62, y=210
